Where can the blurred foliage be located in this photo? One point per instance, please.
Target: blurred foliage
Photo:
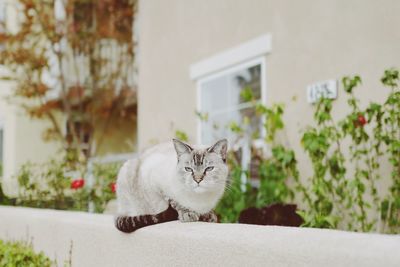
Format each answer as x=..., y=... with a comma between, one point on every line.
x=342, y=191
x=51, y=185
x=273, y=172
x=105, y=178
x=4, y=199
x=181, y=135
x=13, y=254
x=73, y=65
x=349, y=199
x=238, y=195
x=202, y=116
x=246, y=94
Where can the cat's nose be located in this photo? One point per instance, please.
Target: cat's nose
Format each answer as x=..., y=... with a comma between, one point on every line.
x=198, y=179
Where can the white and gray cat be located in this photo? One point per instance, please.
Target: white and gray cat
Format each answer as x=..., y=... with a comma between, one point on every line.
x=171, y=181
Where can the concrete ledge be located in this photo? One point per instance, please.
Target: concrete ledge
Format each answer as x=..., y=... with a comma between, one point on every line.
x=95, y=242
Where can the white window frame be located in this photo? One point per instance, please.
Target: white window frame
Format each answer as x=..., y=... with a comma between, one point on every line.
x=259, y=61
x=246, y=55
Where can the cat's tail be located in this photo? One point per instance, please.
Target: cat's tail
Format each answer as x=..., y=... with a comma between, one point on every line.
x=129, y=224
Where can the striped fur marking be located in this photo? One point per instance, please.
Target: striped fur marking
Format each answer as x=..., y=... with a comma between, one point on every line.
x=129, y=224
x=198, y=158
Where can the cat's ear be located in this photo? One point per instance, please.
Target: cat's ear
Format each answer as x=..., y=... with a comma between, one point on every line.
x=220, y=148
x=181, y=147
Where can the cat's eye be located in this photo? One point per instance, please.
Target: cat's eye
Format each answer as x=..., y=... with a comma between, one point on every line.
x=188, y=169
x=208, y=169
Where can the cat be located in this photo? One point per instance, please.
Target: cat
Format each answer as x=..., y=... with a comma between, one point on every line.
x=171, y=181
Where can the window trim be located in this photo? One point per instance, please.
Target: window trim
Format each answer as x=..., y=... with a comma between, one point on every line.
x=249, y=63
x=254, y=48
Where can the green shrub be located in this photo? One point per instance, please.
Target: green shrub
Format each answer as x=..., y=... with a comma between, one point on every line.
x=18, y=254
x=53, y=185
x=273, y=173
x=349, y=199
x=105, y=177
x=4, y=200
x=346, y=155
x=236, y=198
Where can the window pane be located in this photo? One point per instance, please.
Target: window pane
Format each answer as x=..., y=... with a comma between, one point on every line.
x=249, y=121
x=224, y=92
x=215, y=128
x=228, y=98
x=218, y=126
x=245, y=80
x=215, y=94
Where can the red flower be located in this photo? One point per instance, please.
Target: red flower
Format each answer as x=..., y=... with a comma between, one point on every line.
x=113, y=187
x=361, y=121
x=77, y=183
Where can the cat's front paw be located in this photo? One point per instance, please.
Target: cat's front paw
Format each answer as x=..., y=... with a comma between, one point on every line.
x=188, y=216
x=209, y=217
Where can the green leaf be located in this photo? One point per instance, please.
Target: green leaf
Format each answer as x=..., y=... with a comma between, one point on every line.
x=247, y=94
x=181, y=135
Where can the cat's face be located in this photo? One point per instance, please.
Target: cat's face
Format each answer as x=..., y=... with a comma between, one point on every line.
x=202, y=170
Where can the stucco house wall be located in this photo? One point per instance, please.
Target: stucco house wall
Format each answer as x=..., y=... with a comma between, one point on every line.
x=22, y=136
x=22, y=140
x=311, y=41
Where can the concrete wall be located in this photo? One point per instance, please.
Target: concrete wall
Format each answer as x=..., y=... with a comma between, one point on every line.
x=91, y=240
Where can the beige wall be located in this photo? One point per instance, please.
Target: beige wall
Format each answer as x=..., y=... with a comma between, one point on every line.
x=119, y=136
x=22, y=140
x=311, y=41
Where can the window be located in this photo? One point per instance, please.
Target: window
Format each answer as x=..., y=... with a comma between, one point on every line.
x=223, y=100
x=224, y=83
